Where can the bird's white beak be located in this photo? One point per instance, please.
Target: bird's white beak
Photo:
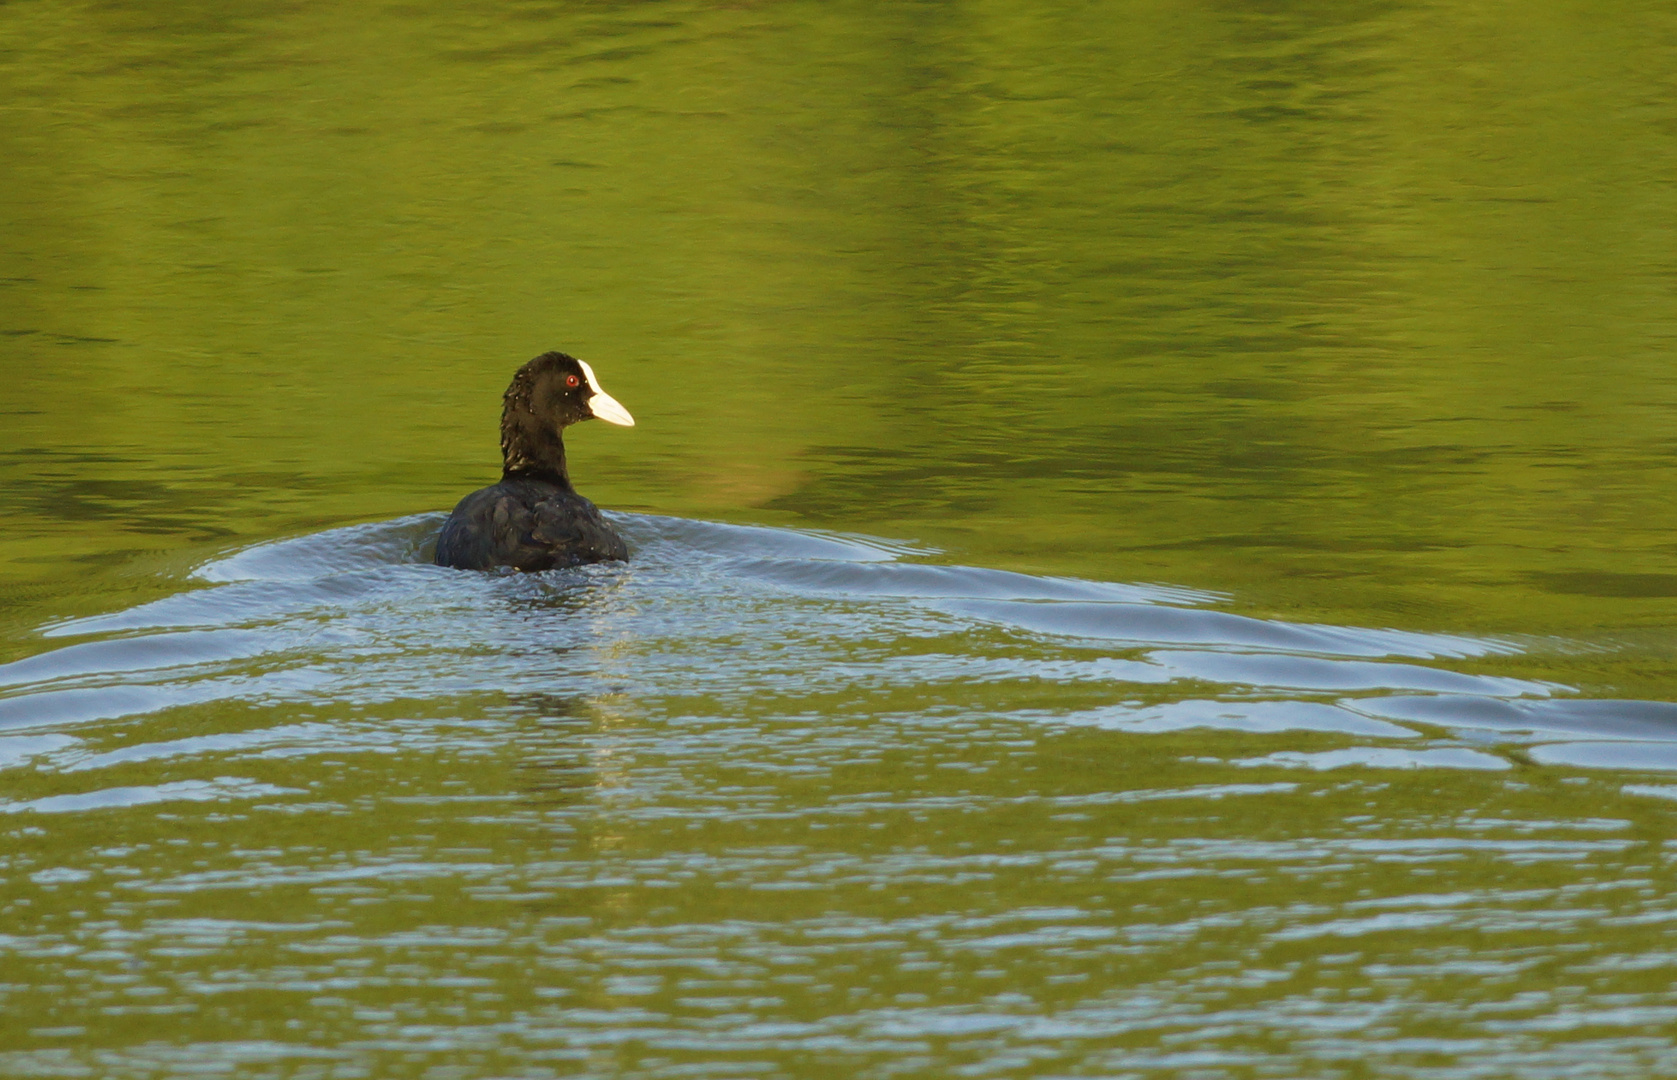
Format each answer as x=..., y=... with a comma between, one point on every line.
x=603, y=405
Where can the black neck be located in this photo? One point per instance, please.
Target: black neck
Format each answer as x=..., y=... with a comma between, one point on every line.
x=532, y=450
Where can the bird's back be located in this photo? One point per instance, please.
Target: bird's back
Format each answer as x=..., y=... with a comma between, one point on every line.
x=529, y=525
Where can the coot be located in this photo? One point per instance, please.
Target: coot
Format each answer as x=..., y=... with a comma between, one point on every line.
x=533, y=519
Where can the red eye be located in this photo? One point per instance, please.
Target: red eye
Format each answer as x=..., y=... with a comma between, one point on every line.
x=571, y=380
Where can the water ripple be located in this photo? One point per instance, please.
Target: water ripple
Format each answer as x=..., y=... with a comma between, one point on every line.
x=762, y=791
x=355, y=615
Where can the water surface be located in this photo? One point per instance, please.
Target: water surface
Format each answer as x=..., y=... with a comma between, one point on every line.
x=1152, y=534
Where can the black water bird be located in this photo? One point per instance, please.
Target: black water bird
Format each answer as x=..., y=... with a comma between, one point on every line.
x=534, y=519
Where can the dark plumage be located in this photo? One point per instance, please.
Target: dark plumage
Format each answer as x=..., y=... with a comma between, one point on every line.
x=533, y=519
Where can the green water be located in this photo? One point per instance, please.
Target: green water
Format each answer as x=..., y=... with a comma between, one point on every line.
x=1364, y=307
x=1357, y=315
